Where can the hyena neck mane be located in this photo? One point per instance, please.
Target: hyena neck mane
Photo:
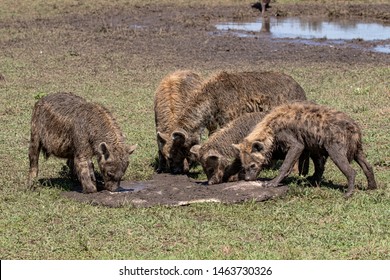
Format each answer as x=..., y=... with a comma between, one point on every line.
x=110, y=132
x=261, y=139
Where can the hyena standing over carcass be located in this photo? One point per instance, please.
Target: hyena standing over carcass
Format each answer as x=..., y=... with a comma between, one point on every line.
x=223, y=98
x=304, y=126
x=173, y=92
x=67, y=126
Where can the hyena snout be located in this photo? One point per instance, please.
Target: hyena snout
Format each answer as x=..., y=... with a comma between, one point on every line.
x=178, y=166
x=251, y=173
x=111, y=185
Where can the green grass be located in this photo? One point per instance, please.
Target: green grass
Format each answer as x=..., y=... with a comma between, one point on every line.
x=309, y=223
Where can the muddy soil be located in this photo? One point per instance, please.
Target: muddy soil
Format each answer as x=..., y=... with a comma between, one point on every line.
x=178, y=190
x=170, y=36
x=187, y=36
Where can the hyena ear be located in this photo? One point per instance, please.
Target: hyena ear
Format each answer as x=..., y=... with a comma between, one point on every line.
x=213, y=159
x=131, y=149
x=179, y=137
x=103, y=150
x=257, y=147
x=195, y=151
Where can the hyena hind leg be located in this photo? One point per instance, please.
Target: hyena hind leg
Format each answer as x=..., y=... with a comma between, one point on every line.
x=303, y=164
x=33, y=154
x=341, y=161
x=367, y=169
x=319, y=168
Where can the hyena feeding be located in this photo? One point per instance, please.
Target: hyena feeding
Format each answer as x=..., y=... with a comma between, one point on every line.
x=223, y=98
x=173, y=93
x=67, y=126
x=304, y=126
x=221, y=161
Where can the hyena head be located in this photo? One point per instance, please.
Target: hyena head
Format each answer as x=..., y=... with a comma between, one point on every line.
x=171, y=148
x=177, y=150
x=212, y=162
x=253, y=156
x=214, y=166
x=173, y=152
x=113, y=162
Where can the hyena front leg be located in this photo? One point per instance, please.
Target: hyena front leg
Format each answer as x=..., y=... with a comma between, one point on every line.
x=83, y=167
x=292, y=157
x=319, y=168
x=33, y=155
x=92, y=171
x=71, y=166
x=162, y=163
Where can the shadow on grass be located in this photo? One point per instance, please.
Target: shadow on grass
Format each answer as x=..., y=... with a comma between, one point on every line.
x=64, y=184
x=305, y=183
x=67, y=181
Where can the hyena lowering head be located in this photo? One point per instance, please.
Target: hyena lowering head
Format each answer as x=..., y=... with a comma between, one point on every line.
x=113, y=162
x=175, y=149
x=69, y=127
x=219, y=159
x=173, y=92
x=255, y=155
x=227, y=96
x=304, y=127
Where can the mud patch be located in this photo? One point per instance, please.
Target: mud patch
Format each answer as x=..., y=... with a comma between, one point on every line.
x=174, y=190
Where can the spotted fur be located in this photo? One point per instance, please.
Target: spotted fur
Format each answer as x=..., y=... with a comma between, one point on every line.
x=223, y=98
x=172, y=95
x=67, y=126
x=304, y=126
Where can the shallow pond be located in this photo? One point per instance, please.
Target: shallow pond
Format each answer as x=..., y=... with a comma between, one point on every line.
x=311, y=28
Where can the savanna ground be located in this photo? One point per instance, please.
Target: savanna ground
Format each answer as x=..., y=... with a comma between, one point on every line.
x=115, y=53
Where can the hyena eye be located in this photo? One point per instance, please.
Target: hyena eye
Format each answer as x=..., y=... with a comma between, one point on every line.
x=253, y=166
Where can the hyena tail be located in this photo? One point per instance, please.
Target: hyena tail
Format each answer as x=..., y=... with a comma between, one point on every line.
x=367, y=169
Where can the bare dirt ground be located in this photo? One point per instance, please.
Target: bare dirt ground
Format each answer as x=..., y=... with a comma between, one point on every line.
x=186, y=37
x=176, y=36
x=190, y=34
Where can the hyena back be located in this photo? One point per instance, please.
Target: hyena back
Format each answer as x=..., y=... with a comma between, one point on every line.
x=67, y=126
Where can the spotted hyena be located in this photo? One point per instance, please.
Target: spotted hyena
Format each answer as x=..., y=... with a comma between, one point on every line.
x=221, y=161
x=171, y=96
x=67, y=126
x=223, y=98
x=304, y=126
